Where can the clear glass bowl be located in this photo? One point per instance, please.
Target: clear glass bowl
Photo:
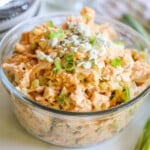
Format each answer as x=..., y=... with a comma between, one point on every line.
x=69, y=4
x=69, y=129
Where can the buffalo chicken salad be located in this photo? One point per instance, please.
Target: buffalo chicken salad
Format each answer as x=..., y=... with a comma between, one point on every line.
x=79, y=66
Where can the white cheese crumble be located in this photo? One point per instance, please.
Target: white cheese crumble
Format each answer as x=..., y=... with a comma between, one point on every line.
x=57, y=59
x=43, y=56
x=81, y=28
x=75, y=49
x=93, y=54
x=103, y=40
x=54, y=42
x=128, y=61
x=85, y=46
x=63, y=51
x=53, y=54
x=75, y=40
x=74, y=37
x=102, y=51
x=88, y=32
x=40, y=55
x=85, y=64
x=70, y=25
x=118, y=71
x=50, y=60
x=42, y=39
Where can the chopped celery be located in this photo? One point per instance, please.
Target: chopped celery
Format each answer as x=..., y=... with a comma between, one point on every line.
x=35, y=83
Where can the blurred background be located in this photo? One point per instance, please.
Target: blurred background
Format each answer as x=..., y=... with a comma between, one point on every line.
x=135, y=12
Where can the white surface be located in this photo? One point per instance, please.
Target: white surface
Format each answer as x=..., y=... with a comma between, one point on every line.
x=14, y=137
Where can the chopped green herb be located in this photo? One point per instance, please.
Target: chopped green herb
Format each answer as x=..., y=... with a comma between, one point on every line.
x=62, y=97
x=57, y=34
x=126, y=94
x=69, y=64
x=93, y=40
x=70, y=57
x=50, y=24
x=57, y=65
x=116, y=62
x=35, y=83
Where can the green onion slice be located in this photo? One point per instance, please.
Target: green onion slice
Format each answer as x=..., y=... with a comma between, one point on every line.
x=126, y=94
x=69, y=64
x=50, y=24
x=116, y=62
x=93, y=40
x=70, y=57
x=62, y=97
x=57, y=34
x=57, y=65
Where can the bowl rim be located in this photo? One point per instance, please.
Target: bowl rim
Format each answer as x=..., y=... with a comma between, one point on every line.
x=8, y=85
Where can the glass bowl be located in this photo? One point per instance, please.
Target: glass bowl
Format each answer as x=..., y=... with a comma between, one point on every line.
x=69, y=5
x=69, y=129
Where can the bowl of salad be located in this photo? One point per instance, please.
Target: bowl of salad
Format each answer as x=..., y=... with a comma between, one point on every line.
x=74, y=80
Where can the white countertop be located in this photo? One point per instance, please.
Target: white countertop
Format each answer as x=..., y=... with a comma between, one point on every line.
x=14, y=137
